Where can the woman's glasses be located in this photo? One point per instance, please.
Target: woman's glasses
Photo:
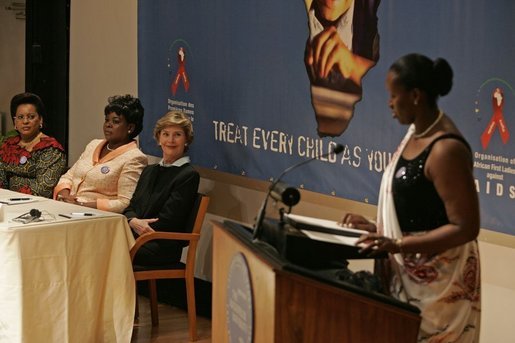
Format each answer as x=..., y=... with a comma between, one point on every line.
x=29, y=117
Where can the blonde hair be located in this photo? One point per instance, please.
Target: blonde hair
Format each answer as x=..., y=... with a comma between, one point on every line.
x=174, y=118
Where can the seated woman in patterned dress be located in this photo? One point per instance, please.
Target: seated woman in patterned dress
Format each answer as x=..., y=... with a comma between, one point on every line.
x=30, y=162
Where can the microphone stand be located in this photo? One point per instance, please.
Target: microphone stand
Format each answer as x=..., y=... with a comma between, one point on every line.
x=261, y=214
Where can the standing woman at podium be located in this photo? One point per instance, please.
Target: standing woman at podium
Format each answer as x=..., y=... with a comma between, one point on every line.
x=428, y=211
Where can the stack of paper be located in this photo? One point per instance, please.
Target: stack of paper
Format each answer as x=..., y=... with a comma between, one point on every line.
x=324, y=230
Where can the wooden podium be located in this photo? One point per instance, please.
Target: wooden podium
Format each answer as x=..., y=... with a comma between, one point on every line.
x=258, y=298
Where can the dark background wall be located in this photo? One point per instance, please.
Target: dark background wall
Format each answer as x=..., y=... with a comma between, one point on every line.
x=47, y=61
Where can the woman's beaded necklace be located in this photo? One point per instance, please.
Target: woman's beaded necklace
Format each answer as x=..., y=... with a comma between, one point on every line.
x=423, y=133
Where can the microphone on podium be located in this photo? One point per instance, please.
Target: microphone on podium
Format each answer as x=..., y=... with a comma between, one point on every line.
x=292, y=199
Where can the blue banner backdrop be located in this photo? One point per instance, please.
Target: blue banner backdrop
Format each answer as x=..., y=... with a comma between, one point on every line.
x=237, y=68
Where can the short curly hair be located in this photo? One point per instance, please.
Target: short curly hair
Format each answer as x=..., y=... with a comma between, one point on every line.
x=174, y=118
x=27, y=98
x=130, y=108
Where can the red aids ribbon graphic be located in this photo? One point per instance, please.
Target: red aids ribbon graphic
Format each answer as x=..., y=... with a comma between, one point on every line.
x=181, y=73
x=497, y=120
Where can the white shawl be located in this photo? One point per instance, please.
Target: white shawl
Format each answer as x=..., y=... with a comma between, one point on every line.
x=387, y=222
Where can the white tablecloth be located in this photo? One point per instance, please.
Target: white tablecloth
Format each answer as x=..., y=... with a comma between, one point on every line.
x=62, y=279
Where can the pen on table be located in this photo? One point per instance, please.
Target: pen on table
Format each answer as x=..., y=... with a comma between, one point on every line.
x=18, y=199
x=82, y=214
x=64, y=215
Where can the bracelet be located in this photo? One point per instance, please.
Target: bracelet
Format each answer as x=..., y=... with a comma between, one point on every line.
x=398, y=243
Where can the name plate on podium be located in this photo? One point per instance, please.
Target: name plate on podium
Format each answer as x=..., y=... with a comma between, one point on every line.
x=239, y=303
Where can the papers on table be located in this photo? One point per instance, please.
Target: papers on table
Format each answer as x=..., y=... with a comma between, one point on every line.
x=18, y=200
x=78, y=215
x=20, y=205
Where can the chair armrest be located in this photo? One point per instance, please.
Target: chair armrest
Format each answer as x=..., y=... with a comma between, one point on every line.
x=150, y=236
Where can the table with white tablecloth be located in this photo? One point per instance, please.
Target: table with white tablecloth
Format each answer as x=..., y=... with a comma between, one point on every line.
x=66, y=278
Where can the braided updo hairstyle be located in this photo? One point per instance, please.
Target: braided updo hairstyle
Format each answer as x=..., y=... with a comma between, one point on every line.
x=419, y=71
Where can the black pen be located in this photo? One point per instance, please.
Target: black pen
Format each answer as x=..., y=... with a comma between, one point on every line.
x=18, y=199
x=87, y=214
x=64, y=215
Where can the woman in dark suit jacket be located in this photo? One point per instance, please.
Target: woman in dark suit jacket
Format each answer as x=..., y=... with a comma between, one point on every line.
x=165, y=192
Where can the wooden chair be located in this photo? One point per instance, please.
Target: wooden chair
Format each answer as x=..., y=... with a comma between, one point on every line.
x=178, y=271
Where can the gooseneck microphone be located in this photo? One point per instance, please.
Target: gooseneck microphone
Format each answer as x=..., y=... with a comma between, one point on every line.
x=261, y=214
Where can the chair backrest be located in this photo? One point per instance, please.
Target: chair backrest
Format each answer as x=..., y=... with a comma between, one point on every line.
x=201, y=204
x=198, y=209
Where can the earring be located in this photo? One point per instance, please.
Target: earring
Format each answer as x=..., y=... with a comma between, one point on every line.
x=129, y=131
x=41, y=125
x=185, y=144
x=415, y=102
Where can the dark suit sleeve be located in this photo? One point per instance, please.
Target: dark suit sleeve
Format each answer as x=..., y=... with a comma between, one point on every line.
x=132, y=210
x=175, y=211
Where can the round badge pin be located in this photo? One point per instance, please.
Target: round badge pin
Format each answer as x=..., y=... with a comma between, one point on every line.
x=23, y=159
x=104, y=170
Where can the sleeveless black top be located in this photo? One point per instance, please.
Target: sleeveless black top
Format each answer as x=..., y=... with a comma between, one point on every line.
x=417, y=204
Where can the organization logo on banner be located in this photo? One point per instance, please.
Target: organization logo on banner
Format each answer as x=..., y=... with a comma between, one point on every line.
x=179, y=60
x=495, y=164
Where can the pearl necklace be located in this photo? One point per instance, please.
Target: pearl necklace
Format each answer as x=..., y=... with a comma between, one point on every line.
x=423, y=133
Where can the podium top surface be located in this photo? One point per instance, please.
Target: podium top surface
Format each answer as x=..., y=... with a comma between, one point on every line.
x=274, y=258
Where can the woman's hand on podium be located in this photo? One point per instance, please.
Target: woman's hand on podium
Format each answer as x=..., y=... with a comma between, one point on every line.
x=372, y=244
x=356, y=221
